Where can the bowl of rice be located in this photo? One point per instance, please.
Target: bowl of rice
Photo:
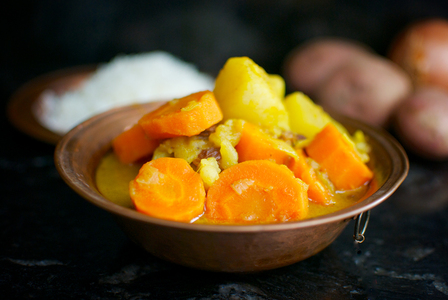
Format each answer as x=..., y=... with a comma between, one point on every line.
x=52, y=104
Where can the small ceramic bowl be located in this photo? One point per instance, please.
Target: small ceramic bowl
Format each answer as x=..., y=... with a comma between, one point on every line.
x=228, y=248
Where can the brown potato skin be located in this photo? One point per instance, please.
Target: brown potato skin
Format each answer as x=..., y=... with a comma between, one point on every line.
x=422, y=51
x=307, y=66
x=367, y=88
x=421, y=123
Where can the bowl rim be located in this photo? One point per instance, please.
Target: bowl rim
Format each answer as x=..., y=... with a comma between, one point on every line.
x=398, y=172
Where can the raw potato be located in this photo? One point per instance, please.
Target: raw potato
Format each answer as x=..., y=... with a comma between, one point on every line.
x=421, y=123
x=422, y=51
x=367, y=88
x=310, y=64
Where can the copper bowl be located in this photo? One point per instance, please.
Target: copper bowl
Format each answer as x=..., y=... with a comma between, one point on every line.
x=228, y=248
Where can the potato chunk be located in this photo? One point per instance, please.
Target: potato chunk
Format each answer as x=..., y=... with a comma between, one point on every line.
x=245, y=91
x=307, y=118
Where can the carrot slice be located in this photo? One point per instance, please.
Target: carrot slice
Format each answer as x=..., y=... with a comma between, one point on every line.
x=317, y=191
x=133, y=144
x=255, y=144
x=185, y=116
x=339, y=159
x=257, y=191
x=168, y=188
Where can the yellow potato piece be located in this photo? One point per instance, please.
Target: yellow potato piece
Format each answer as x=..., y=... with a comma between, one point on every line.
x=306, y=117
x=277, y=84
x=245, y=91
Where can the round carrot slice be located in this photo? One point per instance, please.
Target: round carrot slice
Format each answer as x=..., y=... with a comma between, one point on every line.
x=168, y=188
x=186, y=116
x=257, y=191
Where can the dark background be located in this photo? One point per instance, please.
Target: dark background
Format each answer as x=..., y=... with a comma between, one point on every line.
x=55, y=245
x=45, y=35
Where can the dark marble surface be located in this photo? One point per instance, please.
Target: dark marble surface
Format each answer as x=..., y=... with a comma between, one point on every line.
x=55, y=245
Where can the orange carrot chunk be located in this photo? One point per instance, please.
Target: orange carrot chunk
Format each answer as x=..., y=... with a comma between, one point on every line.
x=339, y=159
x=168, y=188
x=257, y=191
x=133, y=144
x=255, y=144
x=317, y=191
x=185, y=116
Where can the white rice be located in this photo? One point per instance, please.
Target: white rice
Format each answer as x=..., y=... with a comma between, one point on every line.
x=127, y=79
